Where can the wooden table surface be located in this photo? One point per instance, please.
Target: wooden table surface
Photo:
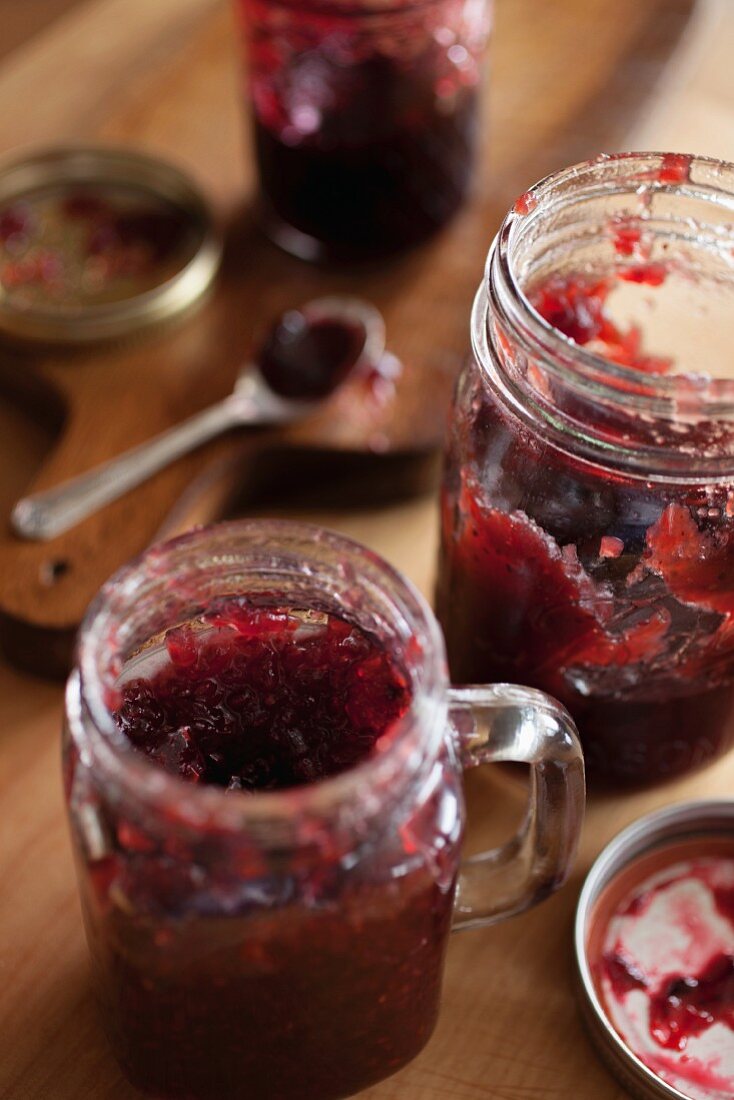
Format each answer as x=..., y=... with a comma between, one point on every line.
x=509, y=1028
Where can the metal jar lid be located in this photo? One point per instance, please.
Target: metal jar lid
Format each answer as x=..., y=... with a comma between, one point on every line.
x=682, y=822
x=42, y=183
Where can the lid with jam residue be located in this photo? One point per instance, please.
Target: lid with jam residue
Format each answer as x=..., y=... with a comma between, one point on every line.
x=654, y=946
x=97, y=242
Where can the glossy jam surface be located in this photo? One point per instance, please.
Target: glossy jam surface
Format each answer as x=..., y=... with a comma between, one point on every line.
x=365, y=118
x=307, y=358
x=231, y=967
x=267, y=698
x=665, y=970
x=78, y=246
x=613, y=594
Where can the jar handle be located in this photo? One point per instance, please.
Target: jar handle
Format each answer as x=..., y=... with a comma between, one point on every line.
x=503, y=723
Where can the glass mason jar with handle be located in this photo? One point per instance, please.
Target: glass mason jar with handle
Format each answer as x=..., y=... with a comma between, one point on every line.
x=290, y=943
x=588, y=507
x=365, y=118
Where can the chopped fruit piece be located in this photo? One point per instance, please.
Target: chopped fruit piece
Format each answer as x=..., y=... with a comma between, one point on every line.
x=610, y=547
x=696, y=564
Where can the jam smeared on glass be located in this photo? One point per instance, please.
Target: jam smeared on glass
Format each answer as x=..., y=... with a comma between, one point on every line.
x=365, y=119
x=577, y=307
x=304, y=965
x=75, y=246
x=612, y=594
x=306, y=358
x=267, y=698
x=666, y=971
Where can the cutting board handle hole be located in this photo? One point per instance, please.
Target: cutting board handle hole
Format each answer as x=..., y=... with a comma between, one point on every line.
x=52, y=571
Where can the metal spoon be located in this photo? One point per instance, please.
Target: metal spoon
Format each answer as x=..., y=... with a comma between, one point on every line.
x=255, y=400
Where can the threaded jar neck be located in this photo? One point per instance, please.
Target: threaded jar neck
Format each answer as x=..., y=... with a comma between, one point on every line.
x=658, y=231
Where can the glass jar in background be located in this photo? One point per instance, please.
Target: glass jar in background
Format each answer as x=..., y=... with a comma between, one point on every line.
x=291, y=943
x=588, y=507
x=365, y=118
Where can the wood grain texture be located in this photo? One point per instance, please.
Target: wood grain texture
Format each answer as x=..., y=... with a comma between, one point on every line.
x=509, y=1028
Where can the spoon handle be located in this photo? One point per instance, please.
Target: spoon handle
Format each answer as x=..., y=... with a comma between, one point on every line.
x=44, y=515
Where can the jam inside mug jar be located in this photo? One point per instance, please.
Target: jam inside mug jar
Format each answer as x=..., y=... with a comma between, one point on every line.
x=365, y=118
x=263, y=774
x=588, y=506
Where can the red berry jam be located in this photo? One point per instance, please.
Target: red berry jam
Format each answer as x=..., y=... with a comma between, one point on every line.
x=365, y=120
x=613, y=593
x=238, y=965
x=73, y=246
x=267, y=699
x=665, y=966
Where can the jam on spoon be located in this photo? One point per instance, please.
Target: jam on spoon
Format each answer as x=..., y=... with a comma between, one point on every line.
x=307, y=354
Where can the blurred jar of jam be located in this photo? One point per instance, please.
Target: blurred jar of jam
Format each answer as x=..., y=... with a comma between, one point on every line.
x=365, y=118
x=588, y=501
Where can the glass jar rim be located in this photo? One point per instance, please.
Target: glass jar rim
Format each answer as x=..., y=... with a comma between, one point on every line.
x=650, y=394
x=407, y=749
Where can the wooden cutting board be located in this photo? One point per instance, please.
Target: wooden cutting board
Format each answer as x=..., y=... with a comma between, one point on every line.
x=166, y=80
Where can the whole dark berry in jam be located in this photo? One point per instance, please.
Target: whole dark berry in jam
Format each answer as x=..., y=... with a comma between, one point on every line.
x=307, y=358
x=262, y=698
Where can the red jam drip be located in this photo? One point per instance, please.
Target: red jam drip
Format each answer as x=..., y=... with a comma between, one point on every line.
x=525, y=204
x=686, y=1005
x=307, y=359
x=675, y=168
x=268, y=699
